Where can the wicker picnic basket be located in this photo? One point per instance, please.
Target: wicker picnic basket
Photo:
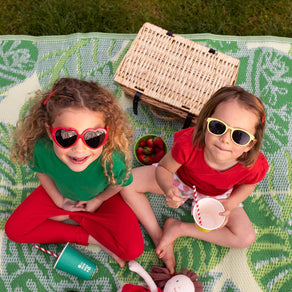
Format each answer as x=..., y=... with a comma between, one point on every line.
x=172, y=74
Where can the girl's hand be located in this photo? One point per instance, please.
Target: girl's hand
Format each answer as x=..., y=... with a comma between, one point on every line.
x=72, y=206
x=173, y=198
x=90, y=206
x=226, y=213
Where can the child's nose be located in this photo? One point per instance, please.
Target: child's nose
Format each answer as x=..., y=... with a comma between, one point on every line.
x=79, y=146
x=226, y=138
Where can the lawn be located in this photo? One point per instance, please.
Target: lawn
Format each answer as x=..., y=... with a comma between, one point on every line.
x=227, y=17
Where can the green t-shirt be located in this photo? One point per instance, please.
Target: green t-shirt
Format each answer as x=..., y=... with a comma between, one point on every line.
x=84, y=185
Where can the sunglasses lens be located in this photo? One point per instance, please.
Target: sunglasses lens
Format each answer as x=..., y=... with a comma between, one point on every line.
x=216, y=127
x=65, y=138
x=94, y=139
x=240, y=137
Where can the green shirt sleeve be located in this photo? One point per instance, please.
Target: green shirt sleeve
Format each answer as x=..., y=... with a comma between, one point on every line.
x=120, y=170
x=40, y=150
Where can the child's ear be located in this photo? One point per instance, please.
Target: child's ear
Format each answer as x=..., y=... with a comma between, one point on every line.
x=251, y=144
x=48, y=131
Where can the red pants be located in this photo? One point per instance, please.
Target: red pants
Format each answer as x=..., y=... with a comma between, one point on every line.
x=114, y=225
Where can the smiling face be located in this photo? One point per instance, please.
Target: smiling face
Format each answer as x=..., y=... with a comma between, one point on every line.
x=79, y=156
x=221, y=152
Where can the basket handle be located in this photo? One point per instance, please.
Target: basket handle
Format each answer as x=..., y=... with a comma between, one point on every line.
x=154, y=112
x=135, y=108
x=187, y=122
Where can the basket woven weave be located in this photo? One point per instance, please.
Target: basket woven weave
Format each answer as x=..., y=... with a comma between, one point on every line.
x=172, y=73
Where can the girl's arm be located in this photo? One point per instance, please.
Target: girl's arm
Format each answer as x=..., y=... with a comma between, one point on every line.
x=95, y=203
x=164, y=176
x=238, y=195
x=59, y=200
x=50, y=187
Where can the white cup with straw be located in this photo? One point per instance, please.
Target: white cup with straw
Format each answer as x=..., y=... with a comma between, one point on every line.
x=206, y=213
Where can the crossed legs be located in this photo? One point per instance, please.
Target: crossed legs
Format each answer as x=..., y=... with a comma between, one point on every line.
x=238, y=233
x=38, y=219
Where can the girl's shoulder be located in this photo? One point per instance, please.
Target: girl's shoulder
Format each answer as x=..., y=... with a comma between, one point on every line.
x=183, y=148
x=117, y=155
x=43, y=144
x=256, y=172
x=43, y=155
x=261, y=163
x=184, y=134
x=118, y=161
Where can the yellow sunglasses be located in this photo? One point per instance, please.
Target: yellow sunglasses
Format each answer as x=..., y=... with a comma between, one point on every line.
x=238, y=136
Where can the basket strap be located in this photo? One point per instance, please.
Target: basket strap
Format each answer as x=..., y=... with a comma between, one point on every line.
x=135, y=102
x=157, y=115
x=188, y=121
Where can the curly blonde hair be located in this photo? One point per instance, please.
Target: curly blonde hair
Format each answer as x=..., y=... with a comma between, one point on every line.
x=74, y=93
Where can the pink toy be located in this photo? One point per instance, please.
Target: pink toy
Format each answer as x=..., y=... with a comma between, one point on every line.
x=161, y=279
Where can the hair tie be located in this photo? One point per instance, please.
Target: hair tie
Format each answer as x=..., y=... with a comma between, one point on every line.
x=47, y=99
x=263, y=118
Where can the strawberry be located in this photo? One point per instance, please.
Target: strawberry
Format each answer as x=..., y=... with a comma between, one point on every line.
x=157, y=141
x=145, y=159
x=157, y=156
x=156, y=149
x=149, y=142
x=139, y=150
x=147, y=150
x=142, y=143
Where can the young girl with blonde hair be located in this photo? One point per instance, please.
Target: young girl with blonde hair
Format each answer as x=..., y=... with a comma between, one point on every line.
x=221, y=157
x=76, y=137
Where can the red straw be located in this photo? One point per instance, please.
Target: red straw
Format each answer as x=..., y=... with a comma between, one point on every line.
x=45, y=250
x=197, y=205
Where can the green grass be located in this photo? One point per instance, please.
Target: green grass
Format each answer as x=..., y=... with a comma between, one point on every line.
x=227, y=17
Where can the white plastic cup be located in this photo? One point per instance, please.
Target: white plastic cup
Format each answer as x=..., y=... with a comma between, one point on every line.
x=209, y=211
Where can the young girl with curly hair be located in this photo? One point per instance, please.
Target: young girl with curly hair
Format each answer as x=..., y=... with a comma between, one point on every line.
x=76, y=137
x=221, y=157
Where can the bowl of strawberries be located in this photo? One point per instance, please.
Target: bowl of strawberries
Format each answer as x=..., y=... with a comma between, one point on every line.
x=149, y=149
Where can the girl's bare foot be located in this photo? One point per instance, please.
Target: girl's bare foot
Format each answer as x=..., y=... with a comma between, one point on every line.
x=170, y=234
x=168, y=258
x=120, y=261
x=164, y=248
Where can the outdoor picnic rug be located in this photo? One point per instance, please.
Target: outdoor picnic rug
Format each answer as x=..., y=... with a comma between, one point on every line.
x=30, y=63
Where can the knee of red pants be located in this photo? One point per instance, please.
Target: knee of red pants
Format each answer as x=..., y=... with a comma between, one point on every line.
x=16, y=227
x=129, y=243
x=31, y=214
x=10, y=231
x=134, y=249
x=133, y=240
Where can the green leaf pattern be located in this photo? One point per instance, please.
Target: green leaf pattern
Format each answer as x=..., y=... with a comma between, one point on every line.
x=264, y=70
x=17, y=60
